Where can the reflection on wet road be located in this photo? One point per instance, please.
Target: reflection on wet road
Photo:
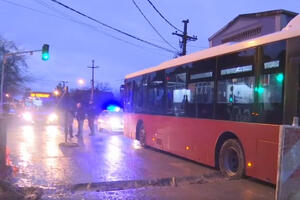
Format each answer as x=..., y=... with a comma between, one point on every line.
x=104, y=157
x=106, y=162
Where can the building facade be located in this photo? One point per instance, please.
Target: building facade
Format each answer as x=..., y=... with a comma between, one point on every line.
x=247, y=26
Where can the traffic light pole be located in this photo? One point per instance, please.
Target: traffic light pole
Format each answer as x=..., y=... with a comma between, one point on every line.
x=5, y=56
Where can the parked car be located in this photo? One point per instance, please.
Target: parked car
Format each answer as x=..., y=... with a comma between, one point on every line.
x=111, y=121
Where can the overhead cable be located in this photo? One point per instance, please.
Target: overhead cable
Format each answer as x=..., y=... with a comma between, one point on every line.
x=164, y=17
x=110, y=27
x=153, y=26
x=94, y=28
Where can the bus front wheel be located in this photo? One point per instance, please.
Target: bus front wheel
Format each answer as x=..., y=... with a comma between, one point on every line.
x=231, y=159
x=142, y=135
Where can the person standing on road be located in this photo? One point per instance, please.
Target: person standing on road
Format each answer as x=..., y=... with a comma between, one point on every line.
x=80, y=116
x=69, y=116
x=91, y=113
x=66, y=104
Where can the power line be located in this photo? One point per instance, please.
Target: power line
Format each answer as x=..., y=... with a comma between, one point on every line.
x=152, y=25
x=110, y=27
x=94, y=28
x=164, y=17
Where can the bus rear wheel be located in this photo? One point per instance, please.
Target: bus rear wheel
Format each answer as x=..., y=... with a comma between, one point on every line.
x=231, y=159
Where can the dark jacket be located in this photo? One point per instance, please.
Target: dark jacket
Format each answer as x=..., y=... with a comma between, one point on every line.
x=80, y=113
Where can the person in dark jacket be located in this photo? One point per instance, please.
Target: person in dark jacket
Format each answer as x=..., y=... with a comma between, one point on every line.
x=91, y=113
x=66, y=105
x=80, y=116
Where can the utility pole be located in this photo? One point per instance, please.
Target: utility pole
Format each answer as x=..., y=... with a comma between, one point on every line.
x=64, y=84
x=184, y=38
x=93, y=67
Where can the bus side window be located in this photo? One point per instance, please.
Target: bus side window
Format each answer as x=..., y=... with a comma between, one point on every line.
x=202, y=99
x=155, y=93
x=235, y=86
x=270, y=88
x=270, y=98
x=235, y=99
x=177, y=94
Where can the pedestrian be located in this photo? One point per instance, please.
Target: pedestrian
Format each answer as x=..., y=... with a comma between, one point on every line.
x=80, y=116
x=91, y=113
x=68, y=122
x=66, y=105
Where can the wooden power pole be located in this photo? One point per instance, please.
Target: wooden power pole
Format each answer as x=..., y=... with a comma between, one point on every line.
x=93, y=67
x=184, y=38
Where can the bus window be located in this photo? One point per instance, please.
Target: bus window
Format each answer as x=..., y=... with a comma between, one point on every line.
x=274, y=56
x=155, y=93
x=270, y=88
x=235, y=86
x=270, y=98
x=177, y=94
x=201, y=86
x=128, y=96
x=137, y=95
x=235, y=99
x=202, y=99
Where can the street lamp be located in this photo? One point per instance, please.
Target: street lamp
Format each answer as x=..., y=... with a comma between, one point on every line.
x=56, y=92
x=81, y=82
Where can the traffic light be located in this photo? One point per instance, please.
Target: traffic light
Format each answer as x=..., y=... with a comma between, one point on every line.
x=45, y=52
x=279, y=77
x=230, y=98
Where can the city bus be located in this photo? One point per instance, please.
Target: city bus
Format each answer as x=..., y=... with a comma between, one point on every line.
x=222, y=106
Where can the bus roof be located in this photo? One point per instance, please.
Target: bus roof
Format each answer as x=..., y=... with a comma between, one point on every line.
x=290, y=31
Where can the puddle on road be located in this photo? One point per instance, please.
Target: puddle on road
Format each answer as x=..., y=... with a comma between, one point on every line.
x=134, y=184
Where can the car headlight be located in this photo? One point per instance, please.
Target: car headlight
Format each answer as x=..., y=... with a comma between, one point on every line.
x=27, y=116
x=52, y=117
x=115, y=122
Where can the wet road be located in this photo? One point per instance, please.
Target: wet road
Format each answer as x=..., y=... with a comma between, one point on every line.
x=111, y=166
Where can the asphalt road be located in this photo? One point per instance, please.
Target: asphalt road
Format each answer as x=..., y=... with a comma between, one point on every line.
x=111, y=166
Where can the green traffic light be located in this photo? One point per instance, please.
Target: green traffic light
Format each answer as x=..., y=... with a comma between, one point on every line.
x=259, y=89
x=279, y=77
x=45, y=52
x=45, y=56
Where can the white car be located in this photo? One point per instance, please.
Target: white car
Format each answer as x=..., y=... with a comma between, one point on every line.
x=111, y=121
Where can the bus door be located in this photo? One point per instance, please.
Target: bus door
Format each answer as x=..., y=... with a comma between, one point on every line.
x=292, y=81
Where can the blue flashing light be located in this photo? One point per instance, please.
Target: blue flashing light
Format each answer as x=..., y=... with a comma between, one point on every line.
x=113, y=108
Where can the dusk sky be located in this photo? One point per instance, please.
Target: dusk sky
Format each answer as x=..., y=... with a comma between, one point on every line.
x=74, y=40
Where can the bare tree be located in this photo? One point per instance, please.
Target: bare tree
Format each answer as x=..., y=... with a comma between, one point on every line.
x=104, y=87
x=15, y=68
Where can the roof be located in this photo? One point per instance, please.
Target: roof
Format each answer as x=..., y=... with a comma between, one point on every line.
x=259, y=14
x=290, y=31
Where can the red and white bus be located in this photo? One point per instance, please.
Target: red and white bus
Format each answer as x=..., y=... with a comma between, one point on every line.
x=222, y=106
